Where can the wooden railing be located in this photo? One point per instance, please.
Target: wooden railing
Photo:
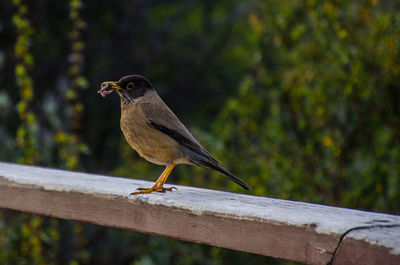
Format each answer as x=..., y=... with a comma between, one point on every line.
x=297, y=231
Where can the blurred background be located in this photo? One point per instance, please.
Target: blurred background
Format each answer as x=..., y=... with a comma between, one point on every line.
x=301, y=99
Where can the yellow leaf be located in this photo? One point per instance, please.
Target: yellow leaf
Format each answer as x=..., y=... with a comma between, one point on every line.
x=327, y=141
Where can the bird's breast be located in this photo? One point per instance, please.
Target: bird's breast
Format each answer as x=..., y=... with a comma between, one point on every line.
x=149, y=142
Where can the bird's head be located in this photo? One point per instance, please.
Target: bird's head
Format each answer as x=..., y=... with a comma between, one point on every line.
x=129, y=88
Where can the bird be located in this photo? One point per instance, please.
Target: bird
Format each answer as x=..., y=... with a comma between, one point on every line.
x=156, y=133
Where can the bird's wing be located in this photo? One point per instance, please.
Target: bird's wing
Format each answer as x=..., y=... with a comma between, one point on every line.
x=163, y=119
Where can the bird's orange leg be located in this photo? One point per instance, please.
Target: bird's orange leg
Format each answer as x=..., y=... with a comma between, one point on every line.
x=158, y=185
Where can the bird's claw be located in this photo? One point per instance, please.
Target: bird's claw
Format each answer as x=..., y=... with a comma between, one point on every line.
x=168, y=189
x=150, y=190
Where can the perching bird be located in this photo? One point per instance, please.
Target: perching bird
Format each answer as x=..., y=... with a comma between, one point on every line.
x=154, y=131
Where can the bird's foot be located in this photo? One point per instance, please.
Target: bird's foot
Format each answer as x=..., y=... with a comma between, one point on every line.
x=150, y=190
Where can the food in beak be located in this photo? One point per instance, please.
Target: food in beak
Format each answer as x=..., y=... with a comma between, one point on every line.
x=106, y=88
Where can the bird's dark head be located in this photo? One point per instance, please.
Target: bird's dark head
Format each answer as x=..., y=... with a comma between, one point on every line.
x=129, y=88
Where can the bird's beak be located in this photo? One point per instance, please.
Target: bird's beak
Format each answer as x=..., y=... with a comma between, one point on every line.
x=108, y=87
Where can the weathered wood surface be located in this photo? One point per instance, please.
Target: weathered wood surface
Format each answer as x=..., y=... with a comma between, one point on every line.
x=292, y=230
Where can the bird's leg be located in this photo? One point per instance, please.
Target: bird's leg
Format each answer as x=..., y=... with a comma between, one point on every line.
x=158, y=185
x=170, y=167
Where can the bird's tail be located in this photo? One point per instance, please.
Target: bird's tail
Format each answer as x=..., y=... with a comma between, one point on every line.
x=212, y=165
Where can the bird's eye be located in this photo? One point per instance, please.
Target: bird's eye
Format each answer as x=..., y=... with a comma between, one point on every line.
x=130, y=86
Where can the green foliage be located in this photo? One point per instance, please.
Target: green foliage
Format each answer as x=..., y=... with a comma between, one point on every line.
x=298, y=98
x=28, y=239
x=28, y=127
x=319, y=117
x=70, y=144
